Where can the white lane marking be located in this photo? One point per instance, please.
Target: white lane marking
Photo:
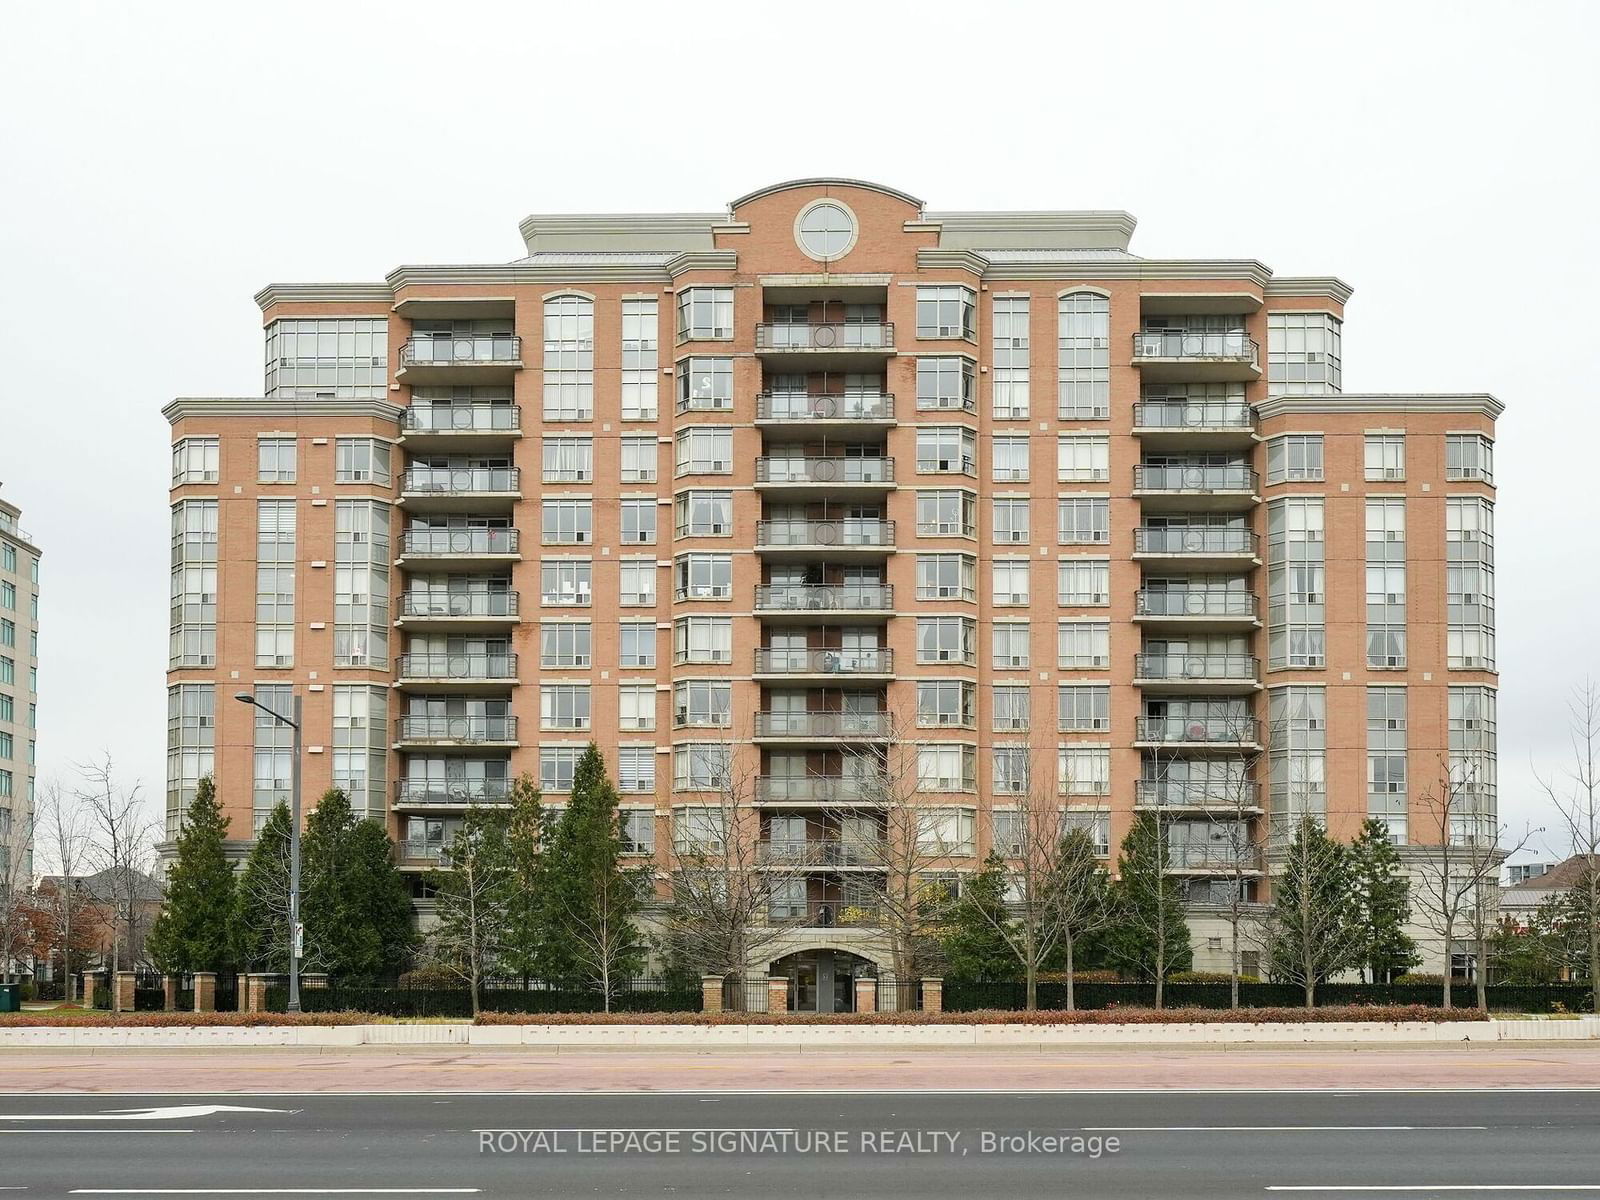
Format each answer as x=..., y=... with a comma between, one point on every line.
x=100, y=1132
x=373, y=1191
x=1274, y=1128
x=172, y=1112
x=1335, y=1092
x=1440, y=1187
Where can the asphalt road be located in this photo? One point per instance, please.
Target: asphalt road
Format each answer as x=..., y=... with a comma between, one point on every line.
x=1233, y=1144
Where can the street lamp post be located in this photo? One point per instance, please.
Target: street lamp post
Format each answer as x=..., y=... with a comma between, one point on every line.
x=294, y=839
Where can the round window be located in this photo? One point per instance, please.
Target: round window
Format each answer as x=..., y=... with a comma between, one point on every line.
x=826, y=230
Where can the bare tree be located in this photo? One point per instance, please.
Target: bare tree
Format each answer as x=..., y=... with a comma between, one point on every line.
x=121, y=838
x=1575, y=794
x=62, y=829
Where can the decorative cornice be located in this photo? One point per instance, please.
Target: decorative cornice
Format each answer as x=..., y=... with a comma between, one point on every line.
x=324, y=293
x=1085, y=229
x=951, y=259
x=620, y=269
x=1132, y=268
x=827, y=181
x=702, y=260
x=1481, y=404
x=637, y=231
x=1318, y=287
x=271, y=406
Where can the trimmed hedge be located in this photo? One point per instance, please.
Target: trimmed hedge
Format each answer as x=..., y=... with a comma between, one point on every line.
x=81, y=1018
x=1121, y=1016
x=402, y=1001
x=966, y=995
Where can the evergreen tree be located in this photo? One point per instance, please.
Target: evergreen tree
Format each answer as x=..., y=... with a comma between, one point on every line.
x=354, y=903
x=526, y=950
x=261, y=899
x=1151, y=937
x=591, y=901
x=1383, y=900
x=472, y=896
x=193, y=931
x=974, y=945
x=1313, y=928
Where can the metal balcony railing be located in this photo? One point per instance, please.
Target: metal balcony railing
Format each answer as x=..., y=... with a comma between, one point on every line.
x=456, y=542
x=848, y=335
x=822, y=852
x=807, y=789
x=463, y=729
x=451, y=791
x=444, y=348
x=847, y=531
x=478, y=603
x=1179, y=603
x=1215, y=793
x=832, y=661
x=458, y=666
x=824, y=914
x=849, y=597
x=1193, y=539
x=1196, y=666
x=792, y=406
x=822, y=724
x=1198, y=415
x=1194, y=478
x=461, y=418
x=1233, y=345
x=1208, y=730
x=824, y=470
x=413, y=850
x=460, y=481
x=1193, y=856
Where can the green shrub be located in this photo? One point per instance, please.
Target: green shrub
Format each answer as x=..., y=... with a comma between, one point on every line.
x=1209, y=977
x=431, y=977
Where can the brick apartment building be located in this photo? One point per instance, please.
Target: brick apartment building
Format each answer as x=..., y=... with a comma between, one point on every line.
x=19, y=695
x=819, y=473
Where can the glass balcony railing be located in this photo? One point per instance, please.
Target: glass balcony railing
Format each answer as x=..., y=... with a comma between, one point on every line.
x=847, y=531
x=465, y=730
x=822, y=724
x=1222, y=857
x=849, y=597
x=823, y=914
x=792, y=406
x=461, y=418
x=458, y=666
x=848, y=335
x=458, y=604
x=419, y=850
x=1232, y=345
x=1183, y=477
x=866, y=661
x=426, y=350
x=1214, y=793
x=451, y=791
x=824, y=470
x=1193, y=539
x=1179, y=603
x=469, y=540
x=1197, y=415
x=822, y=852
x=1224, y=731
x=1243, y=667
x=808, y=789
x=460, y=481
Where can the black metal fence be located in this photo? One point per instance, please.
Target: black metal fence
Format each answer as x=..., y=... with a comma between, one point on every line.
x=965, y=995
x=395, y=999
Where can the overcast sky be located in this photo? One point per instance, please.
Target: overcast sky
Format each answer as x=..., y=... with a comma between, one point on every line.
x=160, y=163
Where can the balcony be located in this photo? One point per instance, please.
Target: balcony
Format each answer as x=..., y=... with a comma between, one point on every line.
x=838, y=413
x=1240, y=796
x=1198, y=858
x=1197, y=356
x=465, y=359
x=417, y=854
x=845, y=345
x=458, y=610
x=822, y=853
x=1197, y=547
x=1191, y=734
x=1197, y=672
x=467, y=546
x=1178, y=423
x=823, y=727
x=458, y=672
x=826, y=663
x=807, y=600
x=455, y=731
x=822, y=914
x=461, y=489
x=807, y=539
x=1204, y=609
x=1198, y=487
x=449, y=793
x=818, y=789
x=441, y=426
x=835, y=475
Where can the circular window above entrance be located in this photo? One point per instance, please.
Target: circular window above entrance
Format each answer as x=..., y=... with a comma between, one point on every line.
x=825, y=229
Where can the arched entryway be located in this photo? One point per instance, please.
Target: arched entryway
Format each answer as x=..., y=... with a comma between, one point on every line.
x=823, y=980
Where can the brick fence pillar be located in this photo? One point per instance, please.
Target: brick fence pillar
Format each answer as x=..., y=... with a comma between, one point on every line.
x=85, y=990
x=256, y=991
x=933, y=995
x=777, y=993
x=205, y=991
x=711, y=993
x=866, y=994
x=122, y=996
x=169, y=988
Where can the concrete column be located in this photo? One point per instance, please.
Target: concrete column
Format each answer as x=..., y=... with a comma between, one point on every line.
x=205, y=991
x=711, y=993
x=777, y=993
x=866, y=994
x=122, y=993
x=169, y=985
x=933, y=995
